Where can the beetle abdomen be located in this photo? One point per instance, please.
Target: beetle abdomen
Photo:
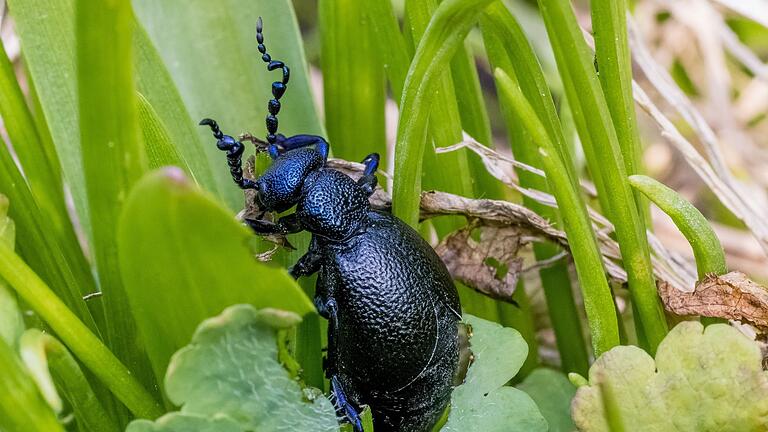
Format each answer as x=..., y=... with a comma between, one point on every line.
x=396, y=340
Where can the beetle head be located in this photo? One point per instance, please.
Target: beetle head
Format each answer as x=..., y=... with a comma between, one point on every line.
x=279, y=186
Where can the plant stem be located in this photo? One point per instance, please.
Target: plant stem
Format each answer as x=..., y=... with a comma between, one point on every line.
x=598, y=301
x=446, y=31
x=84, y=344
x=505, y=40
x=576, y=66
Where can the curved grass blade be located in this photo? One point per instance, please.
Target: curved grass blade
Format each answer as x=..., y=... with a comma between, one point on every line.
x=157, y=142
x=446, y=31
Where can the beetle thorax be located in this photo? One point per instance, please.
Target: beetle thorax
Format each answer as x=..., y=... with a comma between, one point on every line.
x=332, y=205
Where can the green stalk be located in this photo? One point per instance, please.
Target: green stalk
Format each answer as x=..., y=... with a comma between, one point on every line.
x=113, y=156
x=70, y=380
x=499, y=25
x=520, y=318
x=22, y=408
x=575, y=64
x=609, y=24
x=710, y=258
x=84, y=344
x=446, y=31
x=598, y=301
x=353, y=88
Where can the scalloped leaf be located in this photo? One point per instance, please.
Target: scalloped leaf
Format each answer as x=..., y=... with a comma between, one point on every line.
x=231, y=369
x=703, y=380
x=483, y=403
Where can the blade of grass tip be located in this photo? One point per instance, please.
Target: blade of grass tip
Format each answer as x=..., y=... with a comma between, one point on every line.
x=555, y=280
x=576, y=65
x=157, y=86
x=353, y=84
x=598, y=301
x=82, y=342
x=157, y=144
x=707, y=250
x=609, y=26
x=113, y=157
x=22, y=408
x=446, y=31
x=70, y=380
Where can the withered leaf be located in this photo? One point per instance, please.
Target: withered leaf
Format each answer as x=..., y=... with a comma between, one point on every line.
x=491, y=265
x=732, y=296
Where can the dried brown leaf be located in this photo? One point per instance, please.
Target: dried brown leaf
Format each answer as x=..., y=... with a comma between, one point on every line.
x=490, y=266
x=731, y=296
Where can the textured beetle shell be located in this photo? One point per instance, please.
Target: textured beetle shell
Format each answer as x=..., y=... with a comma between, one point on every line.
x=395, y=345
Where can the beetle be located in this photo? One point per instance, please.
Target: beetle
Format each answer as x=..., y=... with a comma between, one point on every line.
x=395, y=331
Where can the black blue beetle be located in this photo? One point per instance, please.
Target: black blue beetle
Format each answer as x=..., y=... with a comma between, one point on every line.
x=393, y=310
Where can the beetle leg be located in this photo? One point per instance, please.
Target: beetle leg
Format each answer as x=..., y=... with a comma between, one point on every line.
x=368, y=181
x=299, y=141
x=308, y=264
x=285, y=225
x=234, y=149
x=344, y=407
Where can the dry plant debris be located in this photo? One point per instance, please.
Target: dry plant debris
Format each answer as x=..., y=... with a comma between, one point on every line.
x=731, y=296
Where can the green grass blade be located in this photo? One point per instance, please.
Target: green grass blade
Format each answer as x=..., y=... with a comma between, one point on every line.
x=82, y=342
x=156, y=85
x=710, y=258
x=598, y=301
x=208, y=253
x=48, y=46
x=113, y=157
x=505, y=41
x=609, y=26
x=474, y=120
x=210, y=51
x=445, y=33
x=389, y=42
x=22, y=408
x=157, y=142
x=70, y=380
x=353, y=84
x=576, y=67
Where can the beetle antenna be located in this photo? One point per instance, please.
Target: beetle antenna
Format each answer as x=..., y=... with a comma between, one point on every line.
x=278, y=87
x=214, y=127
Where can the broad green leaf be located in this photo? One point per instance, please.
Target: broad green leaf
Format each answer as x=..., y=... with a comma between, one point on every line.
x=702, y=380
x=231, y=368
x=113, y=157
x=184, y=258
x=354, y=107
x=482, y=402
x=49, y=362
x=210, y=51
x=157, y=87
x=22, y=409
x=183, y=422
x=552, y=392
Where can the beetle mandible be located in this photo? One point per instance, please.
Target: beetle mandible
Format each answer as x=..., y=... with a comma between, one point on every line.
x=393, y=310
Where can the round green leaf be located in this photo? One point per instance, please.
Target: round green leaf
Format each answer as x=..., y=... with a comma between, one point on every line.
x=179, y=422
x=185, y=258
x=703, y=380
x=483, y=403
